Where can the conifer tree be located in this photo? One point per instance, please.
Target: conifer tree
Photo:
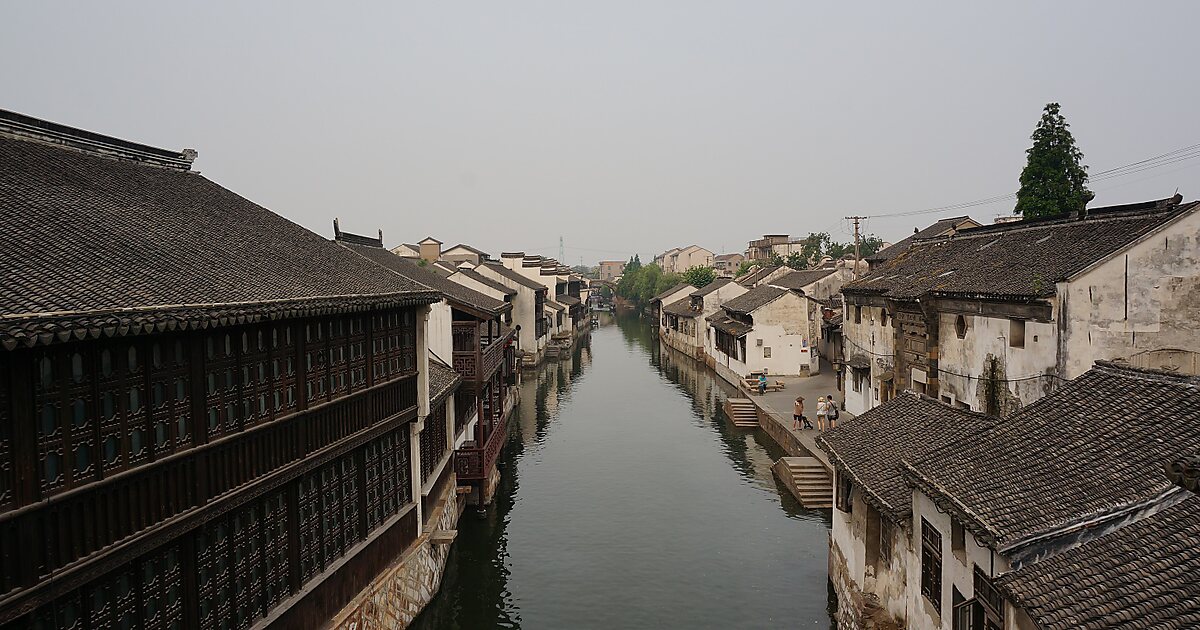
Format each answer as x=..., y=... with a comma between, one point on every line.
x=1054, y=182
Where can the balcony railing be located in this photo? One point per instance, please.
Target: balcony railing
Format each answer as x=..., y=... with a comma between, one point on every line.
x=475, y=356
x=475, y=463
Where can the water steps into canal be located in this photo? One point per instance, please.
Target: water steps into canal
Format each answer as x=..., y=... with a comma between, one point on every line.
x=807, y=479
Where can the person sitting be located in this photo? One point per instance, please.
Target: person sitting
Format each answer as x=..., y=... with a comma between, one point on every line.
x=762, y=384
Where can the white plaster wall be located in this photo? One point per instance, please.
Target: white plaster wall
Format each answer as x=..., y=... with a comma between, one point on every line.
x=476, y=285
x=438, y=329
x=957, y=567
x=1161, y=292
x=523, y=304
x=966, y=358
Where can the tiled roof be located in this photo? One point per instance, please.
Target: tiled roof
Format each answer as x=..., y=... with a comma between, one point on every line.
x=468, y=248
x=754, y=275
x=681, y=307
x=939, y=227
x=568, y=300
x=872, y=446
x=454, y=292
x=711, y=286
x=754, y=298
x=555, y=306
x=482, y=279
x=726, y=324
x=1142, y=576
x=800, y=279
x=1022, y=259
x=442, y=381
x=727, y=256
x=98, y=245
x=514, y=276
x=666, y=294
x=1094, y=447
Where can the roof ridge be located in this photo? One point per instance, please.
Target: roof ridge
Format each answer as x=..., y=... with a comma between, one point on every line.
x=1099, y=215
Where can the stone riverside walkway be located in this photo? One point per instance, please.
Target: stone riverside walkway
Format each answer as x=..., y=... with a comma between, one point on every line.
x=778, y=406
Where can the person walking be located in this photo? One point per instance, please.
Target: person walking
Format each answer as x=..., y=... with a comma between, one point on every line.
x=822, y=410
x=798, y=419
x=831, y=413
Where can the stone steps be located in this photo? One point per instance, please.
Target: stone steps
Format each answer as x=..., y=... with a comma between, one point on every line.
x=807, y=480
x=741, y=412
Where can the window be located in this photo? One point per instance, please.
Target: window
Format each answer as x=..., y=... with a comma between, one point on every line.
x=931, y=564
x=844, y=499
x=990, y=601
x=766, y=352
x=1016, y=333
x=886, y=533
x=958, y=537
x=883, y=317
x=856, y=379
x=857, y=314
x=960, y=327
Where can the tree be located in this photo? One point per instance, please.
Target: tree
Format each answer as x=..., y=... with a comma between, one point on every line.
x=869, y=245
x=1053, y=182
x=699, y=276
x=796, y=261
x=633, y=265
x=744, y=267
x=776, y=259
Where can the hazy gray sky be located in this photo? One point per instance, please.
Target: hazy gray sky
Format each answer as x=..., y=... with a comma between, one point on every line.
x=621, y=126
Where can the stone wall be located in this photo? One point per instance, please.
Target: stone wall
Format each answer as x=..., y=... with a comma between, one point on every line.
x=399, y=594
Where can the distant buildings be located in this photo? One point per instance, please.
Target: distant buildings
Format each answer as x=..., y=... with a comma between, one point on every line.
x=726, y=265
x=679, y=260
x=610, y=270
x=772, y=244
x=684, y=326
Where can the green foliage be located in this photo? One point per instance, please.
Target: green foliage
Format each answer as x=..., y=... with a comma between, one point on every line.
x=642, y=283
x=744, y=267
x=633, y=265
x=796, y=261
x=776, y=260
x=867, y=246
x=699, y=276
x=1053, y=182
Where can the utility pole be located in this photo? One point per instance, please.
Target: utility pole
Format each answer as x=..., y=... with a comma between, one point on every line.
x=561, y=256
x=857, y=240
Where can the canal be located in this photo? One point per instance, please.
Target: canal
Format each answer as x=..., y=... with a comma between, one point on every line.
x=629, y=501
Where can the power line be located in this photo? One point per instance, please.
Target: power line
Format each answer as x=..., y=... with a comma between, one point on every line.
x=1165, y=159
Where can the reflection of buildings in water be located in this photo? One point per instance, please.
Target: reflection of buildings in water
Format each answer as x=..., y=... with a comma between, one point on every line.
x=543, y=389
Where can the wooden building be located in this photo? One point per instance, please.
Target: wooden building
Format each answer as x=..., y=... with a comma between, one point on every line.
x=210, y=417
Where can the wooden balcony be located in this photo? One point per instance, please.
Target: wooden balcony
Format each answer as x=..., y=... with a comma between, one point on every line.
x=474, y=463
x=476, y=356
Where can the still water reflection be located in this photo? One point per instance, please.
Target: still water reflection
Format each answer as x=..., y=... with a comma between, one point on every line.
x=628, y=501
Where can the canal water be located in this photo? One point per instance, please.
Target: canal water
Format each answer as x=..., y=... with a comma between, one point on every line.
x=628, y=500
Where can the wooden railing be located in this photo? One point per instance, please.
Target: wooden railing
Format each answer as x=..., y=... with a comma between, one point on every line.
x=42, y=539
x=475, y=357
x=474, y=463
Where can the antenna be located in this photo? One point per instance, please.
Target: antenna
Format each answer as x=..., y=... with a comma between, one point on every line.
x=561, y=256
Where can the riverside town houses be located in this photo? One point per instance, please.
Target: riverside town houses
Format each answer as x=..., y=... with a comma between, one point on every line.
x=210, y=417
x=683, y=322
x=992, y=318
x=1076, y=512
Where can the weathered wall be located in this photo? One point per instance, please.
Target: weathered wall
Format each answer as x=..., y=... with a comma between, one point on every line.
x=1113, y=311
x=867, y=598
x=965, y=364
x=875, y=342
x=783, y=327
x=398, y=594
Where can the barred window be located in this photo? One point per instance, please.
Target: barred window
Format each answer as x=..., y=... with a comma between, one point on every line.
x=931, y=564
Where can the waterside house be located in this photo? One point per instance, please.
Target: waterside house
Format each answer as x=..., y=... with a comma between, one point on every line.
x=683, y=324
x=942, y=227
x=783, y=320
x=529, y=310
x=948, y=518
x=467, y=331
x=209, y=416
x=993, y=318
x=677, y=292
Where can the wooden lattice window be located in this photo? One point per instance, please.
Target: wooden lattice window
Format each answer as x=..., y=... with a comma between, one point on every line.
x=113, y=601
x=433, y=441
x=257, y=376
x=315, y=362
x=66, y=417
x=170, y=395
x=339, y=365
x=221, y=387
x=387, y=477
x=283, y=369
x=357, y=351
x=328, y=514
x=161, y=591
x=931, y=564
x=241, y=564
x=394, y=344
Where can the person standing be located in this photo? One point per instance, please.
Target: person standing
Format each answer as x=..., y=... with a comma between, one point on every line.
x=822, y=411
x=831, y=413
x=798, y=419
